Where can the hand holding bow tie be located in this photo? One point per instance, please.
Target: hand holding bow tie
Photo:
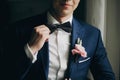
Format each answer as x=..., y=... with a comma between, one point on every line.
x=39, y=36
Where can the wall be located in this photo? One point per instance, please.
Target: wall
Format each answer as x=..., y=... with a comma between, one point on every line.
x=20, y=9
x=113, y=35
x=13, y=10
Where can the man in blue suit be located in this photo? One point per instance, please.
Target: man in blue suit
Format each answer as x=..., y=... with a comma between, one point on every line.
x=55, y=46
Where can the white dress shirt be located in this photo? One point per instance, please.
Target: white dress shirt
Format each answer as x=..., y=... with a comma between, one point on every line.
x=59, y=43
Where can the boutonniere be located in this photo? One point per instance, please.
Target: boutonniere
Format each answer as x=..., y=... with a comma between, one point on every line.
x=79, y=49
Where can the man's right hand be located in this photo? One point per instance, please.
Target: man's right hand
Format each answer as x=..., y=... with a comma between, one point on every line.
x=39, y=36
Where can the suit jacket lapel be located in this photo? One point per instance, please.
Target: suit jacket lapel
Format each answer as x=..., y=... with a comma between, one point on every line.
x=77, y=32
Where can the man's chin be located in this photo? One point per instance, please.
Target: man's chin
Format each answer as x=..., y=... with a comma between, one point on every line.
x=66, y=14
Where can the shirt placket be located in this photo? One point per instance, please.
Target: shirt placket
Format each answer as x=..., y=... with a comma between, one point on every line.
x=62, y=52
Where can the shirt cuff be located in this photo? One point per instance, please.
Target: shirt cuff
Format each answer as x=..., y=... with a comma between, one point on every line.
x=30, y=54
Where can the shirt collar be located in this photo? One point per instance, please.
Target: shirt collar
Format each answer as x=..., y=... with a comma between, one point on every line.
x=52, y=20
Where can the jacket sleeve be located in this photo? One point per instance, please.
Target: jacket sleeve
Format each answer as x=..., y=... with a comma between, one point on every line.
x=14, y=61
x=101, y=67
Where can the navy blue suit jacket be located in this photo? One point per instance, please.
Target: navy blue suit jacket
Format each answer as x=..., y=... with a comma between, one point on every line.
x=16, y=65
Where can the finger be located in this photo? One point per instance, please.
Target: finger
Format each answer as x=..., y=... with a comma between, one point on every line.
x=80, y=48
x=43, y=28
x=74, y=51
x=41, y=32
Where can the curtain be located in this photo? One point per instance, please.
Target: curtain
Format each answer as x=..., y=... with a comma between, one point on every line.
x=96, y=15
x=104, y=14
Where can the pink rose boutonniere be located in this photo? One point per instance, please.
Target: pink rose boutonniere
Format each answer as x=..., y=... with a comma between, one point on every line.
x=79, y=49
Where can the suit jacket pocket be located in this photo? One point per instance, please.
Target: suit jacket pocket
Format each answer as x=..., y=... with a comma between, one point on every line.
x=83, y=60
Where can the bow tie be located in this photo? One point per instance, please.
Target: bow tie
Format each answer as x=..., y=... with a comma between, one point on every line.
x=65, y=26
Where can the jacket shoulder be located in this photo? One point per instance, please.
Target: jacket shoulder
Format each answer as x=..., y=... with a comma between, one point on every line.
x=88, y=27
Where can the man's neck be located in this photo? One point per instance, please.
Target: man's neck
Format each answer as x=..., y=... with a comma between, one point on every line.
x=60, y=18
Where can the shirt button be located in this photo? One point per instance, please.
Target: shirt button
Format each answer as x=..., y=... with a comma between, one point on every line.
x=68, y=79
x=65, y=78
